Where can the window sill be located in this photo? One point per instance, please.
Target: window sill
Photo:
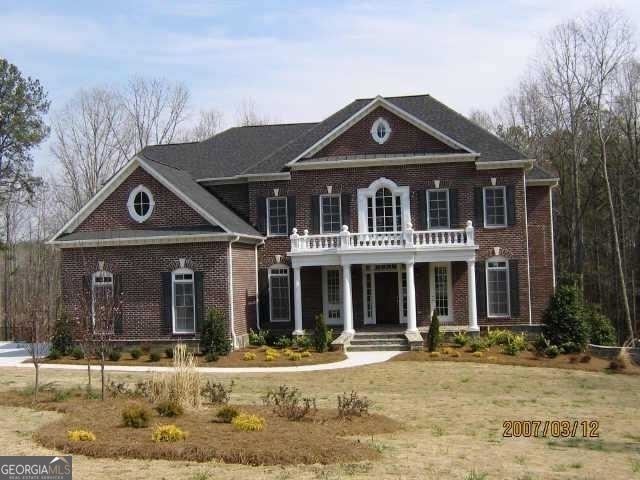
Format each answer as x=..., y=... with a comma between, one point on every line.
x=276, y=235
x=280, y=321
x=495, y=227
x=189, y=332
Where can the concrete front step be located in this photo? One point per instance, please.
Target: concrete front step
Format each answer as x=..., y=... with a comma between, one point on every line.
x=378, y=348
x=377, y=341
x=379, y=336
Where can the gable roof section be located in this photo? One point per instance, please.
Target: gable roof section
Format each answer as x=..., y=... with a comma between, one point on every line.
x=179, y=183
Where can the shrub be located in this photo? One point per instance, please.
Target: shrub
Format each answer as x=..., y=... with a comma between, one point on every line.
x=570, y=347
x=114, y=355
x=62, y=339
x=599, y=327
x=211, y=357
x=433, y=335
x=136, y=415
x=77, y=353
x=135, y=353
x=305, y=354
x=54, y=354
x=272, y=352
x=321, y=334
x=302, y=342
x=249, y=356
x=541, y=344
x=269, y=358
x=461, y=338
x=155, y=356
x=169, y=408
x=79, y=435
x=215, y=333
x=499, y=337
x=259, y=338
x=478, y=344
x=61, y=395
x=248, y=423
x=168, y=352
x=552, y=351
x=288, y=402
x=295, y=356
x=167, y=433
x=563, y=318
x=227, y=413
x=515, y=344
x=353, y=405
x=284, y=341
x=216, y=393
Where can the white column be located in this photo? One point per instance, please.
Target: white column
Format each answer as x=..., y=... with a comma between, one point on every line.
x=471, y=282
x=347, y=307
x=297, y=302
x=411, y=300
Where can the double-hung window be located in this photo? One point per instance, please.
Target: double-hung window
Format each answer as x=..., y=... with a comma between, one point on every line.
x=330, y=214
x=495, y=207
x=102, y=300
x=183, y=301
x=497, y=288
x=279, y=302
x=277, y=216
x=438, y=208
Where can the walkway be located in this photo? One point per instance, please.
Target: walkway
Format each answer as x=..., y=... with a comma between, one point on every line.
x=12, y=355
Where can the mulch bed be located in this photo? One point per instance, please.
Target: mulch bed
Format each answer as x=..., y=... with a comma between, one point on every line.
x=494, y=355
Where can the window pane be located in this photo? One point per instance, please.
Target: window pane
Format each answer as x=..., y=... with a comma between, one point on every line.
x=438, y=209
x=277, y=211
x=279, y=293
x=497, y=291
x=495, y=206
x=183, y=302
x=441, y=287
x=330, y=208
x=384, y=211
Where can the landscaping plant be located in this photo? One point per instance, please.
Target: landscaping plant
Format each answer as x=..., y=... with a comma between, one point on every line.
x=216, y=392
x=433, y=335
x=62, y=340
x=227, y=413
x=599, y=327
x=136, y=415
x=169, y=408
x=563, y=318
x=215, y=334
x=167, y=433
x=288, y=402
x=353, y=405
x=248, y=423
x=321, y=335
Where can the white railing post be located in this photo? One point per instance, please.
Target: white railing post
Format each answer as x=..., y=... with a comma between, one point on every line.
x=294, y=239
x=408, y=235
x=344, y=237
x=305, y=239
x=469, y=231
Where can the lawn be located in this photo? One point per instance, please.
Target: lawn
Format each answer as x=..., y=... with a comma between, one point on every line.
x=453, y=415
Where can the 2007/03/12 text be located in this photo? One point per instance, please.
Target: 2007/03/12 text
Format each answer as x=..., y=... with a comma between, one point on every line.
x=551, y=428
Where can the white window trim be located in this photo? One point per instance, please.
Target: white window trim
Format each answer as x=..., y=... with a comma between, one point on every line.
x=374, y=130
x=506, y=262
x=325, y=295
x=100, y=273
x=132, y=211
x=286, y=214
x=181, y=271
x=446, y=190
x=370, y=192
x=330, y=195
x=280, y=266
x=484, y=205
x=432, y=290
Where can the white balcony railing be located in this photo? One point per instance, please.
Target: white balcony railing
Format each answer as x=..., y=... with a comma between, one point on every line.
x=408, y=238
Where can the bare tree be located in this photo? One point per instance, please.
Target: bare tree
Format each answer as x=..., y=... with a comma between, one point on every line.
x=209, y=123
x=247, y=115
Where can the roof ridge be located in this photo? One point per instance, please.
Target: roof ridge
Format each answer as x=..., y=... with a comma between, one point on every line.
x=397, y=96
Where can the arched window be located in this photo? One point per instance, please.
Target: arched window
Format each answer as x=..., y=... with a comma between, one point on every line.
x=140, y=203
x=101, y=298
x=279, y=301
x=498, y=287
x=383, y=207
x=183, y=301
x=380, y=130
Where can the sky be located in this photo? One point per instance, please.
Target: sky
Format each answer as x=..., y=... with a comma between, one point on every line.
x=296, y=61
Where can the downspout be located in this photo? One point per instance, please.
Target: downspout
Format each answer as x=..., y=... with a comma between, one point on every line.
x=553, y=253
x=526, y=233
x=230, y=283
x=257, y=289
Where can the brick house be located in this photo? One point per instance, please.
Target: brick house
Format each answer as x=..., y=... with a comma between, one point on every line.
x=383, y=212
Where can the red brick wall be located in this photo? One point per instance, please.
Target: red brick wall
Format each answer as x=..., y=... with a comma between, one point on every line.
x=244, y=288
x=540, y=249
x=140, y=268
x=169, y=210
x=404, y=138
x=234, y=196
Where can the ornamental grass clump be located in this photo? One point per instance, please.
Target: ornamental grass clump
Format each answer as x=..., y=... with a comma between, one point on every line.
x=80, y=435
x=167, y=433
x=246, y=422
x=248, y=356
x=136, y=415
x=182, y=385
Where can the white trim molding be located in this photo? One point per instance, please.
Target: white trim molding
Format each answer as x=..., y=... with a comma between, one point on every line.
x=400, y=159
x=375, y=130
x=253, y=177
x=370, y=192
x=542, y=182
x=131, y=204
x=432, y=290
x=497, y=165
x=283, y=267
x=192, y=281
x=158, y=240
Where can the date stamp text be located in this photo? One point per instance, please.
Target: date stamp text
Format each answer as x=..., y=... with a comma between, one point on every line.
x=551, y=428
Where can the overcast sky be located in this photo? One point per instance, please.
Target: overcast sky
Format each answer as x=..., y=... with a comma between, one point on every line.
x=298, y=61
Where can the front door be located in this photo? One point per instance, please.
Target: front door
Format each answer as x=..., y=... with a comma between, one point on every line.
x=387, y=298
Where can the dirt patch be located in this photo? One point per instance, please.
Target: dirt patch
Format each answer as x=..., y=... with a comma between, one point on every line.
x=494, y=355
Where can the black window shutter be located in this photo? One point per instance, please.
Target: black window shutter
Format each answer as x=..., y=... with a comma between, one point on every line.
x=478, y=207
x=88, y=298
x=422, y=211
x=514, y=292
x=198, y=288
x=291, y=213
x=263, y=296
x=481, y=290
x=511, y=205
x=119, y=303
x=345, y=208
x=165, y=303
x=315, y=214
x=453, y=208
x=291, y=302
x=261, y=215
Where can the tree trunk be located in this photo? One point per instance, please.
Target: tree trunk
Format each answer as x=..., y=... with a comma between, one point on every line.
x=102, y=375
x=36, y=364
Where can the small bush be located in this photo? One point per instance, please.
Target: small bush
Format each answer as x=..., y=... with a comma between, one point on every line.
x=62, y=339
x=227, y=413
x=478, y=354
x=541, y=344
x=515, y=344
x=248, y=423
x=269, y=358
x=272, y=352
x=478, y=344
x=295, y=356
x=114, y=355
x=155, y=356
x=570, y=347
x=563, y=318
x=353, y=405
x=259, y=338
x=168, y=408
x=461, y=338
x=216, y=393
x=284, y=341
x=54, y=354
x=321, y=334
x=433, y=335
x=249, y=356
x=136, y=415
x=167, y=433
x=61, y=395
x=288, y=402
x=77, y=353
x=552, y=351
x=215, y=333
x=302, y=342
x=211, y=357
x=599, y=327
x=305, y=354
x=168, y=352
x=499, y=337
x=79, y=435
x=135, y=353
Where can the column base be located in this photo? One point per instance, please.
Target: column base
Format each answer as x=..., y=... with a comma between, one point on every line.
x=411, y=331
x=473, y=329
x=297, y=333
x=349, y=331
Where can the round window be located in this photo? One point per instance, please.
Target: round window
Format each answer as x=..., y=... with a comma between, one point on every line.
x=380, y=130
x=140, y=203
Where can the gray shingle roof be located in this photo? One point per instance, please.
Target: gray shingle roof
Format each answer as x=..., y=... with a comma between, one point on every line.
x=268, y=148
x=538, y=173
